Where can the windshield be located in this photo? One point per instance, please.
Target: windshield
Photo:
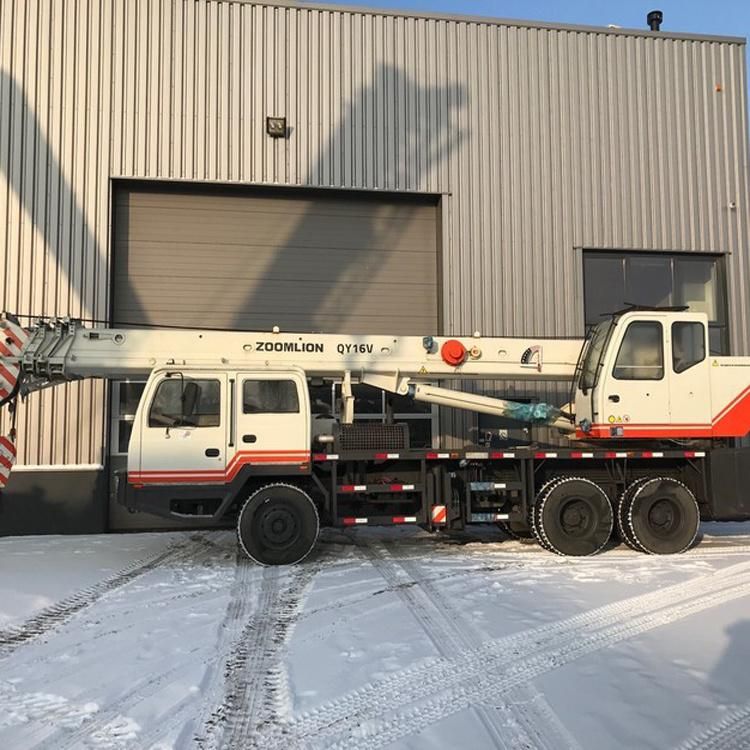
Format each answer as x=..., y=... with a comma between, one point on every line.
x=596, y=343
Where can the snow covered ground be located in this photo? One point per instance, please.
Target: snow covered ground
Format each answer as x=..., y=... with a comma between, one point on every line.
x=383, y=638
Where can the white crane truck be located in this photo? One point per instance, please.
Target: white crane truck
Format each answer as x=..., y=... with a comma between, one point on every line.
x=224, y=430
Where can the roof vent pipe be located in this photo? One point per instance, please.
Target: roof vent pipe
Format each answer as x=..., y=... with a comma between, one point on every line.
x=654, y=19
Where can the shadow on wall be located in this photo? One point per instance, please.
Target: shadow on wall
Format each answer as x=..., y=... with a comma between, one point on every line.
x=280, y=247
x=425, y=143
x=56, y=213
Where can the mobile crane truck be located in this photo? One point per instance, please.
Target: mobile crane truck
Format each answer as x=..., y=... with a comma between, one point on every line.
x=224, y=430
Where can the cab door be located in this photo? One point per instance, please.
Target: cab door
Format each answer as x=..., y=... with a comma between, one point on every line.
x=182, y=436
x=690, y=391
x=633, y=393
x=272, y=419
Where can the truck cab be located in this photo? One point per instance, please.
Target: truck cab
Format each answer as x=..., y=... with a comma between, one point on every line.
x=201, y=428
x=647, y=374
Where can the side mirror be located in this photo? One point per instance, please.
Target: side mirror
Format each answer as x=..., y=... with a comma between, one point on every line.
x=190, y=394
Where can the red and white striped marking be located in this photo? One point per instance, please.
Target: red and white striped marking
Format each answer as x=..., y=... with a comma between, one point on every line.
x=348, y=488
x=404, y=519
x=325, y=456
x=7, y=459
x=354, y=521
x=384, y=456
x=12, y=341
x=502, y=454
x=439, y=514
x=438, y=455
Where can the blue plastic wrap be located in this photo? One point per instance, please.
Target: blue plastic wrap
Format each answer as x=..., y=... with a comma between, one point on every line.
x=532, y=413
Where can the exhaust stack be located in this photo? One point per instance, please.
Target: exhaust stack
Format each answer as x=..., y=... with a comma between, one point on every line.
x=654, y=20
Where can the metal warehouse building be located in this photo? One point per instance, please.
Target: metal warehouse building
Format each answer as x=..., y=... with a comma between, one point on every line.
x=431, y=174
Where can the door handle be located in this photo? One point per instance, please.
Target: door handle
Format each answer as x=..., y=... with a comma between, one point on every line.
x=614, y=397
x=249, y=438
x=212, y=452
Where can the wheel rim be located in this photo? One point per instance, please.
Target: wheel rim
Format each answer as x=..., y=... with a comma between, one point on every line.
x=663, y=517
x=576, y=517
x=278, y=527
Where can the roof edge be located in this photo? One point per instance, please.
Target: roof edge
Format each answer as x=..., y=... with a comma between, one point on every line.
x=492, y=21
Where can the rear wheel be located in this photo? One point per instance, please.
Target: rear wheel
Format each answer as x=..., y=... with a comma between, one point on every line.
x=622, y=511
x=663, y=516
x=572, y=516
x=278, y=525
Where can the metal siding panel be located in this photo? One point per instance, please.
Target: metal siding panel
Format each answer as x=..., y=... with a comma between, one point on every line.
x=541, y=140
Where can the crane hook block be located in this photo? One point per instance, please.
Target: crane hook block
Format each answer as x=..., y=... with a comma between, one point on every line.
x=453, y=352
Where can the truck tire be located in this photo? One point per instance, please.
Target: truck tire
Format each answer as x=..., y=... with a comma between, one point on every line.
x=622, y=511
x=572, y=516
x=278, y=525
x=663, y=516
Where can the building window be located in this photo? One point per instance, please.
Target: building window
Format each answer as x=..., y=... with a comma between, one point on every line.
x=126, y=395
x=612, y=281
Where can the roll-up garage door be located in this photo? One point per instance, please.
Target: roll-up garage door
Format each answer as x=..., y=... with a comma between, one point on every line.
x=247, y=258
x=325, y=261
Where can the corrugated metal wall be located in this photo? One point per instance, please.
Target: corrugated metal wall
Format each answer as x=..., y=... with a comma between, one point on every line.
x=542, y=140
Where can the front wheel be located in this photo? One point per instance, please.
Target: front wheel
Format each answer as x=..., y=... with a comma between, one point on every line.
x=278, y=525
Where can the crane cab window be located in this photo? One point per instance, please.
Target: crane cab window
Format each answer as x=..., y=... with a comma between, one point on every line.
x=688, y=345
x=183, y=402
x=270, y=397
x=641, y=354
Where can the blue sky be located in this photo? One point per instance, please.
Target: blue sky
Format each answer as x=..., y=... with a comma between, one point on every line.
x=728, y=17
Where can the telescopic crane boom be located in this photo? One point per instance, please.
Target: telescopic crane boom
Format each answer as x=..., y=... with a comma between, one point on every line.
x=63, y=350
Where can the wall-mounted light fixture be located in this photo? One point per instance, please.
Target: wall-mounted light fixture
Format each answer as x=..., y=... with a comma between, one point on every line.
x=276, y=127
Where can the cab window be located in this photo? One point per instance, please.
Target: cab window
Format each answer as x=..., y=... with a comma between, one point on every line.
x=270, y=397
x=688, y=345
x=641, y=354
x=183, y=402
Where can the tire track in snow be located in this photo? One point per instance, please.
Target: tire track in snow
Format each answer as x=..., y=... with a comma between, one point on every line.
x=530, y=720
x=730, y=732
x=110, y=726
x=429, y=677
x=489, y=686
x=59, y=613
x=255, y=678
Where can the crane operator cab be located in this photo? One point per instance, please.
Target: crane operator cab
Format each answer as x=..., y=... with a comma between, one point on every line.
x=648, y=374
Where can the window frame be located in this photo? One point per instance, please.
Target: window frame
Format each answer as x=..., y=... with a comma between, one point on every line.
x=182, y=425
x=630, y=325
x=252, y=379
x=704, y=333
x=718, y=330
